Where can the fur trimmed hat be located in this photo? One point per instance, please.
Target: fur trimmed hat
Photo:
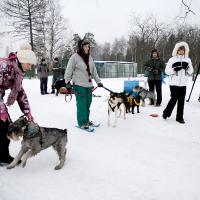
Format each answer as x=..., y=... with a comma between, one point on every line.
x=26, y=55
x=153, y=51
x=83, y=42
x=178, y=45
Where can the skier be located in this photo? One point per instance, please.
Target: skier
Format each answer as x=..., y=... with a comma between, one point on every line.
x=81, y=69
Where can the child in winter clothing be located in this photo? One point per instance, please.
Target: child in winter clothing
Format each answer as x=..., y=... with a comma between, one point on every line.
x=178, y=68
x=43, y=76
x=11, y=76
x=81, y=69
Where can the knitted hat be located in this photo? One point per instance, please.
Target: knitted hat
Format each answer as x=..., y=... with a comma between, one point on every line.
x=26, y=55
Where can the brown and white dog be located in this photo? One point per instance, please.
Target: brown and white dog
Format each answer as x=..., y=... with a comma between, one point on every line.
x=116, y=103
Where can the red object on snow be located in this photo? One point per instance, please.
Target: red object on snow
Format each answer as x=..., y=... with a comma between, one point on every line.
x=154, y=115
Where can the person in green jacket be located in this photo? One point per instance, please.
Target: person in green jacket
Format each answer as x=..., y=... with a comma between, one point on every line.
x=81, y=69
x=154, y=68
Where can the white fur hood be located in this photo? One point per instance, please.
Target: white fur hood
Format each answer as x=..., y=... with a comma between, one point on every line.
x=178, y=45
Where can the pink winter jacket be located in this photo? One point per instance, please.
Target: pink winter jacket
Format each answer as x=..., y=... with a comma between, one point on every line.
x=11, y=77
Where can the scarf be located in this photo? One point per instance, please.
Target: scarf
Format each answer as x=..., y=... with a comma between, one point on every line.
x=85, y=58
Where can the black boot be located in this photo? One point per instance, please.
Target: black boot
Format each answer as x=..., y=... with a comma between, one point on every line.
x=182, y=121
x=53, y=89
x=151, y=101
x=6, y=160
x=5, y=157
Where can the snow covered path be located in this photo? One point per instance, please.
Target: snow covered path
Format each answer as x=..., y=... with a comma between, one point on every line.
x=143, y=158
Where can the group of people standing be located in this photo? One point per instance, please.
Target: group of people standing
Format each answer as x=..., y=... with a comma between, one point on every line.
x=43, y=73
x=79, y=74
x=178, y=68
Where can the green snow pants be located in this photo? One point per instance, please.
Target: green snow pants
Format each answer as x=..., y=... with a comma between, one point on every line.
x=83, y=102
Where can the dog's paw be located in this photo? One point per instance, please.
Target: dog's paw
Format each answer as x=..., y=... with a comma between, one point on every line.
x=57, y=167
x=10, y=166
x=23, y=164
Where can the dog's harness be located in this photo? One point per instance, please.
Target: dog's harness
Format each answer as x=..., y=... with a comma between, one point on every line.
x=132, y=99
x=113, y=107
x=32, y=131
x=136, y=103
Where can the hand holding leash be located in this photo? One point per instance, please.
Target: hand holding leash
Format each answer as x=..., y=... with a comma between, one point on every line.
x=29, y=117
x=100, y=84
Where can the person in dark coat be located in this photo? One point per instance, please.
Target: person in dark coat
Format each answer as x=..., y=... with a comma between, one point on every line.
x=11, y=75
x=43, y=71
x=154, y=68
x=57, y=73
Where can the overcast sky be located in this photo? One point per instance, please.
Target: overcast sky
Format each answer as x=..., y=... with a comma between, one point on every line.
x=108, y=19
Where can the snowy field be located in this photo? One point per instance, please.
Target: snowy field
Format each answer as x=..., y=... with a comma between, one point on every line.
x=143, y=158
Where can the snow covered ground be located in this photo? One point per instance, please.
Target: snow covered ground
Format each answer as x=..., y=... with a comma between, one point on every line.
x=143, y=158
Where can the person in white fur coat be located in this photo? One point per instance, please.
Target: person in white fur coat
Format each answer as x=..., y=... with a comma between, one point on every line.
x=178, y=68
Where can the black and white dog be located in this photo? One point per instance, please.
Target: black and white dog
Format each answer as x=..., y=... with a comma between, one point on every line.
x=116, y=103
x=36, y=139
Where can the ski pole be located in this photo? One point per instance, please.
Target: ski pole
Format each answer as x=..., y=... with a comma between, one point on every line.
x=193, y=83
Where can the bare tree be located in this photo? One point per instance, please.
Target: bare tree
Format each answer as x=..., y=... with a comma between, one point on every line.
x=106, y=52
x=144, y=36
x=75, y=40
x=56, y=28
x=25, y=16
x=187, y=9
x=118, y=49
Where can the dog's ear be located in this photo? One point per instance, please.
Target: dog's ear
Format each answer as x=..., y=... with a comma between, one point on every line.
x=111, y=94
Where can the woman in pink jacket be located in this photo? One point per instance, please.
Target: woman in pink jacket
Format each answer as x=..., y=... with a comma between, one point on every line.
x=11, y=75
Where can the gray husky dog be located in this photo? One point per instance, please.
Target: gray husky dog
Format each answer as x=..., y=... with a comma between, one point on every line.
x=35, y=139
x=144, y=94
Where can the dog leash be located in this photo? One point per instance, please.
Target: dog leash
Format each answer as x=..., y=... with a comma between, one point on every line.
x=68, y=97
x=109, y=90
